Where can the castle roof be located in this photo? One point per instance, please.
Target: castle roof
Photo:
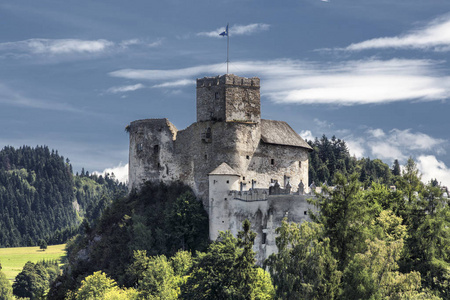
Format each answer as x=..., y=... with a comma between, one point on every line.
x=224, y=169
x=280, y=133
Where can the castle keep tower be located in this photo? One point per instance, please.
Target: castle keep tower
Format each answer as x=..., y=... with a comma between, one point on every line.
x=228, y=98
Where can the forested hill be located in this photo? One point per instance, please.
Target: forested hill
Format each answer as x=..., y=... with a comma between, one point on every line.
x=40, y=198
x=331, y=156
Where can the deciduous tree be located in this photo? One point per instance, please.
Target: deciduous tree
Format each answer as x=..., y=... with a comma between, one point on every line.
x=304, y=267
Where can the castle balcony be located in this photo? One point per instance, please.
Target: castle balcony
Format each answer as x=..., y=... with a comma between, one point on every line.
x=250, y=195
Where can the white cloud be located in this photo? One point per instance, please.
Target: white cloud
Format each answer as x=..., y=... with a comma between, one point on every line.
x=413, y=141
x=384, y=150
x=125, y=88
x=435, y=36
x=355, y=147
x=346, y=83
x=140, y=74
x=177, y=83
x=323, y=124
x=237, y=30
x=120, y=171
x=307, y=135
x=432, y=168
x=400, y=144
x=57, y=46
x=130, y=42
x=65, y=47
x=376, y=133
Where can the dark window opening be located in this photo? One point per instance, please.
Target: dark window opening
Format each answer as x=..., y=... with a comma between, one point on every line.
x=306, y=212
x=272, y=161
x=228, y=181
x=140, y=147
x=167, y=170
x=206, y=157
x=208, y=133
x=243, y=178
x=216, y=95
x=159, y=165
x=264, y=237
x=156, y=149
x=248, y=157
x=299, y=164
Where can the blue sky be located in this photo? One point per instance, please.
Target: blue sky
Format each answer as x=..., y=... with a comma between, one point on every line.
x=375, y=73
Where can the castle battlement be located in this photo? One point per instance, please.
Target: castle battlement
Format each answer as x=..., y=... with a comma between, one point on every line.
x=228, y=79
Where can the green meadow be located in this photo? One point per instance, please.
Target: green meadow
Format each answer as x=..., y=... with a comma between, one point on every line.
x=13, y=259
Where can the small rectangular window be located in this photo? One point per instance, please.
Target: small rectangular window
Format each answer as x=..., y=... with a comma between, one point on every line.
x=272, y=161
x=305, y=212
x=299, y=163
x=216, y=95
x=264, y=237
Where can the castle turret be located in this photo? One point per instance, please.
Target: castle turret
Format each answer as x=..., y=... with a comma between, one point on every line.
x=222, y=180
x=228, y=98
x=151, y=152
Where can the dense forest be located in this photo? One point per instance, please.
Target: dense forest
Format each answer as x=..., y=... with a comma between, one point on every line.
x=379, y=233
x=330, y=156
x=40, y=199
x=363, y=243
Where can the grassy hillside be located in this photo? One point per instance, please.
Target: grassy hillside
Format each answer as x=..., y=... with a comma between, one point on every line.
x=13, y=259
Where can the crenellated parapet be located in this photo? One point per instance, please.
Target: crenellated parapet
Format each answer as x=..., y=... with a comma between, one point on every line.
x=228, y=79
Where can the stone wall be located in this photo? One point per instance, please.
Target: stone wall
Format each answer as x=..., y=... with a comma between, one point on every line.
x=151, y=152
x=228, y=209
x=228, y=98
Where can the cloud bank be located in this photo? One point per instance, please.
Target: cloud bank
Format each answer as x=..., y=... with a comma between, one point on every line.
x=65, y=47
x=354, y=82
x=432, y=168
x=120, y=172
x=125, y=88
x=59, y=46
x=433, y=36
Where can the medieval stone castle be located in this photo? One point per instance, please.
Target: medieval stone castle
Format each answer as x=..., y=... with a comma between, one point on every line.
x=239, y=165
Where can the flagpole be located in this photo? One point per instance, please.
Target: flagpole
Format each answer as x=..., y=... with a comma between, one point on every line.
x=228, y=47
x=225, y=33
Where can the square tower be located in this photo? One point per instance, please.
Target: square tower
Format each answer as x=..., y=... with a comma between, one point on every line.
x=228, y=98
